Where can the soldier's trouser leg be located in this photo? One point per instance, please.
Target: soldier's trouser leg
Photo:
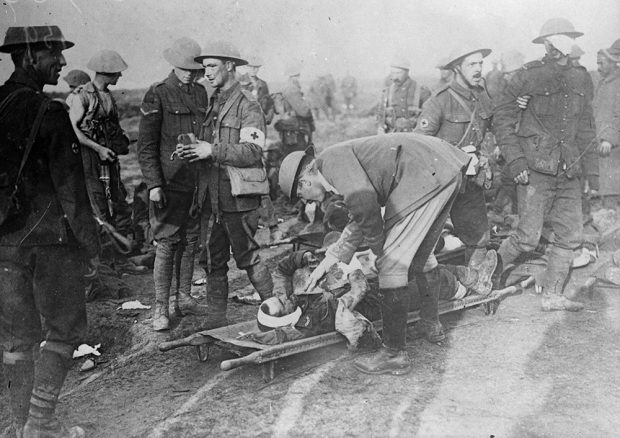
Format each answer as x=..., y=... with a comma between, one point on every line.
x=407, y=253
x=18, y=367
x=469, y=217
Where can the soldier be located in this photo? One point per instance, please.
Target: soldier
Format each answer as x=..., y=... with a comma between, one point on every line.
x=260, y=90
x=46, y=235
x=460, y=113
x=543, y=145
x=415, y=178
x=94, y=117
x=175, y=106
x=75, y=78
x=297, y=124
x=234, y=138
x=348, y=87
x=445, y=74
x=493, y=79
x=607, y=115
x=402, y=100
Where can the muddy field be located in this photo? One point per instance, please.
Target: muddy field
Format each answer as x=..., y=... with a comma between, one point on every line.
x=518, y=373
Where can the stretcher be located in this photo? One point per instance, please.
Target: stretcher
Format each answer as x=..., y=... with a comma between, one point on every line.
x=249, y=352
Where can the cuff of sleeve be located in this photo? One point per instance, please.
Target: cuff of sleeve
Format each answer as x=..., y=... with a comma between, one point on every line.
x=154, y=185
x=217, y=152
x=517, y=166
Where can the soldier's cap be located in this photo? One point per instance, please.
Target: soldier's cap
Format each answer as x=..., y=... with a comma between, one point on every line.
x=457, y=55
x=255, y=61
x=556, y=26
x=293, y=70
x=182, y=54
x=75, y=78
x=107, y=61
x=271, y=315
x=290, y=169
x=613, y=52
x=400, y=62
x=223, y=50
x=512, y=60
x=19, y=37
x=441, y=65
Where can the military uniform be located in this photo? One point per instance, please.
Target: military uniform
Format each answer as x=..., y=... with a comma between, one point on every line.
x=402, y=105
x=462, y=117
x=43, y=249
x=235, y=127
x=260, y=91
x=298, y=125
x=606, y=106
x=349, y=91
x=550, y=139
x=100, y=123
x=171, y=108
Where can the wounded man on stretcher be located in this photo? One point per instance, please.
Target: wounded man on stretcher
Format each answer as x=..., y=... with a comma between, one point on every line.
x=346, y=299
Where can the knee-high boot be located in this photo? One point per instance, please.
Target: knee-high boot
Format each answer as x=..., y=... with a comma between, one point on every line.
x=217, y=300
x=429, y=311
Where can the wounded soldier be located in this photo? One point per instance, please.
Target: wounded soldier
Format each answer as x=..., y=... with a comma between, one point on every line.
x=346, y=298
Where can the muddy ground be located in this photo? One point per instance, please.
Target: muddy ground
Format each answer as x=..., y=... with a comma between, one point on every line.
x=518, y=373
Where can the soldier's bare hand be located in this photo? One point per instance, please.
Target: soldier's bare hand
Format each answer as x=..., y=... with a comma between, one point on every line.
x=106, y=154
x=604, y=148
x=522, y=178
x=196, y=151
x=158, y=197
x=522, y=101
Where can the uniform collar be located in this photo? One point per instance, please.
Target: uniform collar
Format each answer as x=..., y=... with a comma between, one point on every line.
x=467, y=93
x=174, y=81
x=223, y=96
x=21, y=76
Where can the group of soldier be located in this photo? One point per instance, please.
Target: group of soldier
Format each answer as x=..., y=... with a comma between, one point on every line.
x=202, y=157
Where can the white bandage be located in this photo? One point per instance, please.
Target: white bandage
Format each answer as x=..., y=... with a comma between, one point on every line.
x=252, y=135
x=562, y=42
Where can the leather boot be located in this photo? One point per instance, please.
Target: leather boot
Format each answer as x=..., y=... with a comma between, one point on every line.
x=217, y=301
x=260, y=277
x=50, y=372
x=485, y=269
x=552, y=302
x=384, y=361
x=19, y=374
x=188, y=305
x=429, y=324
x=161, y=319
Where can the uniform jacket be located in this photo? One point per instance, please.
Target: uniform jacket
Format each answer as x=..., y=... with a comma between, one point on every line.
x=400, y=172
x=443, y=115
x=607, y=109
x=236, y=127
x=402, y=105
x=56, y=210
x=556, y=130
x=300, y=108
x=169, y=108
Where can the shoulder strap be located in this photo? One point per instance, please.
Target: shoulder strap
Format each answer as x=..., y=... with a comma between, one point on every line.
x=472, y=115
x=10, y=98
x=32, y=137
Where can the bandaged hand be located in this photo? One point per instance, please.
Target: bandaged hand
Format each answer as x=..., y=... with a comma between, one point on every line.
x=320, y=271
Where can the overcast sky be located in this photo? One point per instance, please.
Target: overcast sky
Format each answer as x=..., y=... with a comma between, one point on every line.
x=337, y=36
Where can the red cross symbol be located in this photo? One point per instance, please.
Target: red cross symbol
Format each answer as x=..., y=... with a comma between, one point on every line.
x=254, y=135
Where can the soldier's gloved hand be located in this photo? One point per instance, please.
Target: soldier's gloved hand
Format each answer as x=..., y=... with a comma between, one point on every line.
x=195, y=151
x=106, y=154
x=522, y=101
x=158, y=197
x=604, y=148
x=320, y=271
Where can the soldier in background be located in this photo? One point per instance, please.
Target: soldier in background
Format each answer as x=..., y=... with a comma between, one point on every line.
x=94, y=115
x=259, y=88
x=348, y=87
x=75, y=78
x=460, y=113
x=45, y=240
x=445, y=74
x=544, y=152
x=493, y=79
x=173, y=107
x=606, y=107
x=402, y=101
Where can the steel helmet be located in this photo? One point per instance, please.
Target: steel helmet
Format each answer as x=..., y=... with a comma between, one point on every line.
x=556, y=26
x=107, y=61
x=182, y=54
x=223, y=50
x=289, y=172
x=576, y=52
x=460, y=53
x=400, y=62
x=512, y=60
x=293, y=70
x=75, y=78
x=613, y=53
x=18, y=37
x=255, y=61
